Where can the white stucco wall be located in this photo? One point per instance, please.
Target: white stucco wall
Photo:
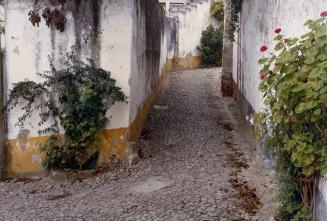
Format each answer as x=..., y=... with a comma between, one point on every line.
x=169, y=2
x=150, y=52
x=179, y=37
x=121, y=47
x=258, y=22
x=28, y=49
x=193, y=18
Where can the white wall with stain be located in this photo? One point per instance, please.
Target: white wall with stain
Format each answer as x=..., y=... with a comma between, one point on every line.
x=258, y=22
x=136, y=40
x=193, y=18
x=29, y=48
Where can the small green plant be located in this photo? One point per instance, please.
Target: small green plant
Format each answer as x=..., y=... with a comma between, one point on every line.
x=294, y=84
x=217, y=10
x=211, y=46
x=75, y=98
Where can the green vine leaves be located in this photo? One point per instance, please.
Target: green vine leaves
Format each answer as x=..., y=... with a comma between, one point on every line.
x=235, y=14
x=75, y=98
x=217, y=10
x=294, y=84
x=295, y=90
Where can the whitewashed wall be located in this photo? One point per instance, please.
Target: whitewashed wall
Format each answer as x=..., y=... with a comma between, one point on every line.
x=179, y=34
x=121, y=48
x=28, y=50
x=149, y=52
x=193, y=18
x=258, y=22
x=137, y=44
x=169, y=2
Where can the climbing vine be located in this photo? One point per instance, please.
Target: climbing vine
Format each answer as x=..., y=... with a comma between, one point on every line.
x=294, y=83
x=217, y=10
x=236, y=7
x=75, y=98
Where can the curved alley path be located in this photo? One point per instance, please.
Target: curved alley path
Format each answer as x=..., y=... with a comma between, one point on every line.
x=199, y=163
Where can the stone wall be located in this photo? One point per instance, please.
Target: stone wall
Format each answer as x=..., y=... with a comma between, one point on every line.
x=257, y=23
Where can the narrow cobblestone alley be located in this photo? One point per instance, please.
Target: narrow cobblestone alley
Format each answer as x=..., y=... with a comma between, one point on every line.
x=199, y=162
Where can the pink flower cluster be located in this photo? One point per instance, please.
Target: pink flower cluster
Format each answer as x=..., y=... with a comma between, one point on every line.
x=323, y=14
x=264, y=48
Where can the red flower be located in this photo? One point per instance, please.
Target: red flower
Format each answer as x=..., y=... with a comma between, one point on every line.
x=263, y=48
x=262, y=77
x=278, y=30
x=276, y=64
x=323, y=14
x=272, y=73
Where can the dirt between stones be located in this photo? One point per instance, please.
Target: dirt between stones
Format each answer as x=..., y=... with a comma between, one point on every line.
x=250, y=202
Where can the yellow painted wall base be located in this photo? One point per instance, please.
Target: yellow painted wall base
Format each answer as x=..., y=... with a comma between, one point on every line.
x=25, y=159
x=187, y=62
x=136, y=126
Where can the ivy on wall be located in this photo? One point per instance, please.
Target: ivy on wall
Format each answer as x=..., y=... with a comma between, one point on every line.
x=236, y=7
x=294, y=83
x=217, y=11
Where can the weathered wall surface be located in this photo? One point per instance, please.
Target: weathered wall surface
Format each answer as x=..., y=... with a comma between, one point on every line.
x=137, y=42
x=193, y=18
x=148, y=49
x=168, y=3
x=258, y=21
x=29, y=48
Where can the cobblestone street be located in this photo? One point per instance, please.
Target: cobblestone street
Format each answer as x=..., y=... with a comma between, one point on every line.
x=199, y=162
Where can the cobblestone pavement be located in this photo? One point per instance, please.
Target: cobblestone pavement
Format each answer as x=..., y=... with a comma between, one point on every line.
x=199, y=163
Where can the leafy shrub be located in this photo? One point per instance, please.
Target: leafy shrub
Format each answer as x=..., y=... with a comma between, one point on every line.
x=211, y=46
x=294, y=83
x=77, y=98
